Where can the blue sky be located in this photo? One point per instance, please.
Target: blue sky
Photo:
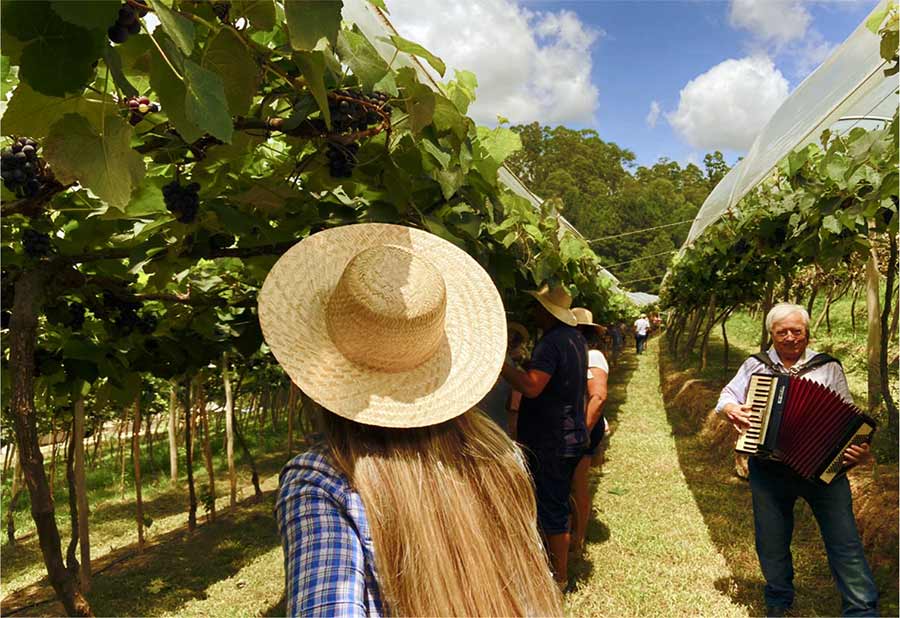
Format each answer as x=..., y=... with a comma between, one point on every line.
x=602, y=64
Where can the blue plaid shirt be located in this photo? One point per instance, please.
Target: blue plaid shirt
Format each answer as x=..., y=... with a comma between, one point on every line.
x=329, y=567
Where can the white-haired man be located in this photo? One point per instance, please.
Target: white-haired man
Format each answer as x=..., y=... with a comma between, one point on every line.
x=775, y=488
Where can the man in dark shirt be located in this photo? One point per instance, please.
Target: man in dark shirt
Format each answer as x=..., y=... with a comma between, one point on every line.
x=551, y=425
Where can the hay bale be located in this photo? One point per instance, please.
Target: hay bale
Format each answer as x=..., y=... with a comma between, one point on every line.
x=875, y=503
x=694, y=399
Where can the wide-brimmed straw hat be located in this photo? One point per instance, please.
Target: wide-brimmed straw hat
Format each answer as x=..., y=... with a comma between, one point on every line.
x=557, y=301
x=586, y=318
x=384, y=325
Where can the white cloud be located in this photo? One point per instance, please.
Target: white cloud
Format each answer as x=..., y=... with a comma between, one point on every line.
x=530, y=65
x=653, y=114
x=727, y=106
x=772, y=21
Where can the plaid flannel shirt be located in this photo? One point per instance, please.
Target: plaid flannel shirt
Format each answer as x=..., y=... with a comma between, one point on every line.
x=329, y=566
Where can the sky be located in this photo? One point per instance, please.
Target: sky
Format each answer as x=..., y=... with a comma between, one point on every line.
x=673, y=78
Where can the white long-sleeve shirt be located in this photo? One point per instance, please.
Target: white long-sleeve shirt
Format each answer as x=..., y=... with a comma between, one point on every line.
x=830, y=375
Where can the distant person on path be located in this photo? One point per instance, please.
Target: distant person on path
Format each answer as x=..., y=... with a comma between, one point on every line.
x=551, y=425
x=598, y=373
x=775, y=487
x=641, y=332
x=502, y=403
x=412, y=503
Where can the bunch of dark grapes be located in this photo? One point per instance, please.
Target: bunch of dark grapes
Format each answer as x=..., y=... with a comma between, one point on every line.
x=124, y=313
x=183, y=202
x=76, y=316
x=221, y=8
x=20, y=167
x=127, y=23
x=351, y=115
x=140, y=107
x=341, y=159
x=220, y=241
x=37, y=244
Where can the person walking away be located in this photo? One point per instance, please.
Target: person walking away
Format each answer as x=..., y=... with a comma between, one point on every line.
x=641, y=332
x=411, y=503
x=551, y=425
x=597, y=376
x=501, y=404
x=775, y=487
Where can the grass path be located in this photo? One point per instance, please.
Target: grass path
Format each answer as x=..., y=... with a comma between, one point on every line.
x=648, y=551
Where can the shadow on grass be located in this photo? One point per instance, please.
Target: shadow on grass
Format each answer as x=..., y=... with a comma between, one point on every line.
x=179, y=566
x=279, y=609
x=725, y=504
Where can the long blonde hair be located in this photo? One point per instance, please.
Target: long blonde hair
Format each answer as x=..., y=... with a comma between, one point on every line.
x=452, y=516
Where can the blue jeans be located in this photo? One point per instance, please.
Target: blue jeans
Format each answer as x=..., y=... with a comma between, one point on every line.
x=640, y=342
x=775, y=489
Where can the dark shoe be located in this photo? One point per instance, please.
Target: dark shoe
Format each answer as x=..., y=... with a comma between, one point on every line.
x=775, y=612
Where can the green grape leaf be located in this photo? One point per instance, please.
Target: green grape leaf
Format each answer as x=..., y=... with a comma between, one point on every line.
x=310, y=20
x=420, y=100
x=31, y=113
x=448, y=118
x=226, y=56
x=499, y=142
x=56, y=56
x=379, y=4
x=875, y=20
x=312, y=65
x=830, y=223
x=362, y=58
x=171, y=89
x=180, y=28
x=90, y=14
x=103, y=162
x=889, y=42
x=449, y=180
x=114, y=62
x=260, y=13
x=206, y=105
x=415, y=49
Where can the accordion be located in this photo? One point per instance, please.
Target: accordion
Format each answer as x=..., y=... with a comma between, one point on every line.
x=802, y=424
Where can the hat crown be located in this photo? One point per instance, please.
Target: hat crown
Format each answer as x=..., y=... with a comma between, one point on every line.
x=387, y=310
x=583, y=315
x=558, y=295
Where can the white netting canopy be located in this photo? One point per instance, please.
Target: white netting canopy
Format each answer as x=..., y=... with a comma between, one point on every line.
x=642, y=299
x=848, y=89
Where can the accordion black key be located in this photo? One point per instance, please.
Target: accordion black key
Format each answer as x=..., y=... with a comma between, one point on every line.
x=803, y=424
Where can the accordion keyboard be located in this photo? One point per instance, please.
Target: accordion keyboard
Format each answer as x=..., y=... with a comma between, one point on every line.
x=759, y=396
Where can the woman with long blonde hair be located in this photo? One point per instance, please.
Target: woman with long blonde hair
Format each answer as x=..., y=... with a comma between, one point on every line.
x=412, y=503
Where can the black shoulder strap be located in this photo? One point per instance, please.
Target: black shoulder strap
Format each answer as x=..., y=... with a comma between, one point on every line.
x=816, y=361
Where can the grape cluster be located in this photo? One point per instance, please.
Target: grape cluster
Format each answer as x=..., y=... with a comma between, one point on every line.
x=36, y=244
x=124, y=314
x=140, y=107
x=20, y=167
x=353, y=115
x=341, y=159
x=220, y=241
x=221, y=8
x=183, y=202
x=127, y=23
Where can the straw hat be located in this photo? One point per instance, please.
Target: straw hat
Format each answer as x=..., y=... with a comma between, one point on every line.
x=586, y=318
x=557, y=301
x=519, y=328
x=384, y=325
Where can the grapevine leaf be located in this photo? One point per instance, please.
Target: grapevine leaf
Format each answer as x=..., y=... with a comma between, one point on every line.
x=114, y=62
x=499, y=142
x=442, y=158
x=206, y=106
x=448, y=118
x=437, y=227
x=229, y=59
x=379, y=4
x=387, y=84
x=312, y=65
x=171, y=90
x=176, y=26
x=31, y=113
x=875, y=19
x=449, y=180
x=420, y=99
x=90, y=14
x=889, y=42
x=146, y=202
x=57, y=56
x=104, y=163
x=415, y=49
x=362, y=58
x=830, y=223
x=260, y=13
x=310, y=20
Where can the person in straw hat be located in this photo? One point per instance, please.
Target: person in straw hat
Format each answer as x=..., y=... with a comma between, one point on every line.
x=551, y=423
x=598, y=372
x=396, y=334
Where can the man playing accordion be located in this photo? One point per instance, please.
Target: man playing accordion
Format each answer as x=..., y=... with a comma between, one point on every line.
x=775, y=487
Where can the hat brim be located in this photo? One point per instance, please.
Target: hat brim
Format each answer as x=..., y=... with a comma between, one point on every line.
x=560, y=313
x=292, y=305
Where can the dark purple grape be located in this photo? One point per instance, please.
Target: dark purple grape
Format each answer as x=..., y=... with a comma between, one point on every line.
x=117, y=33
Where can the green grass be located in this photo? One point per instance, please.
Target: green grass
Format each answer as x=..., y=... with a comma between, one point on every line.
x=112, y=520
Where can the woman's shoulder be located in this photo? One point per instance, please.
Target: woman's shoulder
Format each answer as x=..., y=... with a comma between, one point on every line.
x=313, y=469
